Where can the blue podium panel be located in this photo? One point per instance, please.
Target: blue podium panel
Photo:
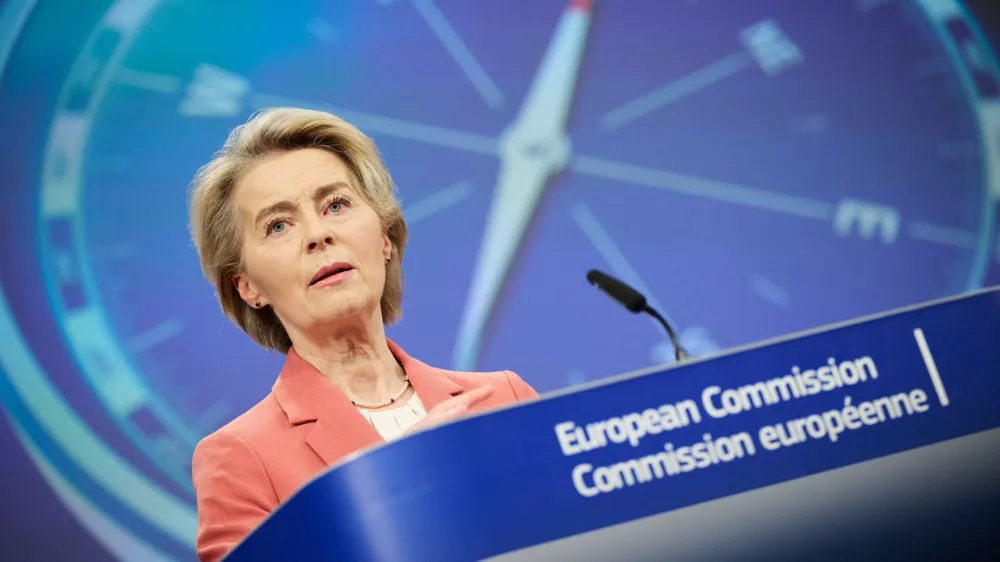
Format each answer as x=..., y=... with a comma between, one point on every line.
x=875, y=438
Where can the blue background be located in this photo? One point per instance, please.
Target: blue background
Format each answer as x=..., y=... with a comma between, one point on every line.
x=729, y=202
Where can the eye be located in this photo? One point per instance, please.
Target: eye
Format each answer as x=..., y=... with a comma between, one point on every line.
x=277, y=226
x=337, y=205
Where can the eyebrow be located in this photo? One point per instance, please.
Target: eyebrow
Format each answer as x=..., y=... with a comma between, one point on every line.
x=320, y=193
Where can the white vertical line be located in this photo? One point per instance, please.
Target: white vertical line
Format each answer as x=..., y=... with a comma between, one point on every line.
x=13, y=16
x=437, y=202
x=931, y=366
x=390, y=127
x=615, y=258
x=701, y=187
x=680, y=88
x=460, y=52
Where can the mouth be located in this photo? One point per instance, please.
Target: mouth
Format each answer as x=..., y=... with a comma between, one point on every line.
x=333, y=273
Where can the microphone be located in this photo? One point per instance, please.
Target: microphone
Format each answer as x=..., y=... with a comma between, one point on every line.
x=635, y=302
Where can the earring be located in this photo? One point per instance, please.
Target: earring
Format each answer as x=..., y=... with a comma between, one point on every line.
x=387, y=260
x=257, y=304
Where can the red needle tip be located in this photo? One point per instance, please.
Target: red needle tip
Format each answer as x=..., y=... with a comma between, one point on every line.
x=582, y=5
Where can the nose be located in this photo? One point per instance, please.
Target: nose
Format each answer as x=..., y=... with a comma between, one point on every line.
x=318, y=237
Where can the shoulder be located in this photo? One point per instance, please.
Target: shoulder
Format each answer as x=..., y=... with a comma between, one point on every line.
x=235, y=445
x=257, y=423
x=506, y=382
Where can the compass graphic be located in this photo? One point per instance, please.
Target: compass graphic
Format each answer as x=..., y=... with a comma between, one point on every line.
x=755, y=168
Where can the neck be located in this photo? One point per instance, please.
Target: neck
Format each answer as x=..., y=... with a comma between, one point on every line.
x=355, y=358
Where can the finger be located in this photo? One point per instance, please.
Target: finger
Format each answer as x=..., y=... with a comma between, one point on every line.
x=463, y=399
x=459, y=408
x=455, y=410
x=475, y=395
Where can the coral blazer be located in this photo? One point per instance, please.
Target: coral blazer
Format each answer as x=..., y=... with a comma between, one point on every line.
x=245, y=469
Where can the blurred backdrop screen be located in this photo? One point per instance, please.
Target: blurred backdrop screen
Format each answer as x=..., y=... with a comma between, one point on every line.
x=756, y=168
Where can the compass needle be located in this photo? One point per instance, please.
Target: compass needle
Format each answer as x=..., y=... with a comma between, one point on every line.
x=532, y=150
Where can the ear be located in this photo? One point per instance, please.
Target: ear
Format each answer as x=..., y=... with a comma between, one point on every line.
x=248, y=292
x=386, y=246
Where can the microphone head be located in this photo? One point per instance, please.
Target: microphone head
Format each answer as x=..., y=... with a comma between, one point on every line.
x=627, y=296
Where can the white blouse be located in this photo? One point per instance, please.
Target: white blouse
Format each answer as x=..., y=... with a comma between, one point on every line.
x=394, y=422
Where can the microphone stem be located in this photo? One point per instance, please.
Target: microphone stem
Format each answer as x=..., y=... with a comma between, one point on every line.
x=679, y=352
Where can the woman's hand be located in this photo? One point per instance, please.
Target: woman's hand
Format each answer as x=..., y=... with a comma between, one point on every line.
x=452, y=408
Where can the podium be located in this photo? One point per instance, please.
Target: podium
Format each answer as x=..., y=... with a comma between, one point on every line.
x=876, y=438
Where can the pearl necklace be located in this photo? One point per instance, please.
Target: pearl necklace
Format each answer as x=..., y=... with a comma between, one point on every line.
x=372, y=406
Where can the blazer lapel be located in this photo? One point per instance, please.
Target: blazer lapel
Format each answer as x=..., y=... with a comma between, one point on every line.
x=338, y=429
x=333, y=440
x=430, y=384
x=307, y=396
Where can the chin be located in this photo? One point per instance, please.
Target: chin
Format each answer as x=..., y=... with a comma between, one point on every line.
x=338, y=308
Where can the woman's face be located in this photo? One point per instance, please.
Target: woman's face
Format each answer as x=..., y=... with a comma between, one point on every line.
x=312, y=248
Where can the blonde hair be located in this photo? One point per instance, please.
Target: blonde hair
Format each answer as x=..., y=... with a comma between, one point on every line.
x=215, y=222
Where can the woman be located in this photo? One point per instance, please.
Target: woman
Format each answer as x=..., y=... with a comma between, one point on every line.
x=298, y=228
